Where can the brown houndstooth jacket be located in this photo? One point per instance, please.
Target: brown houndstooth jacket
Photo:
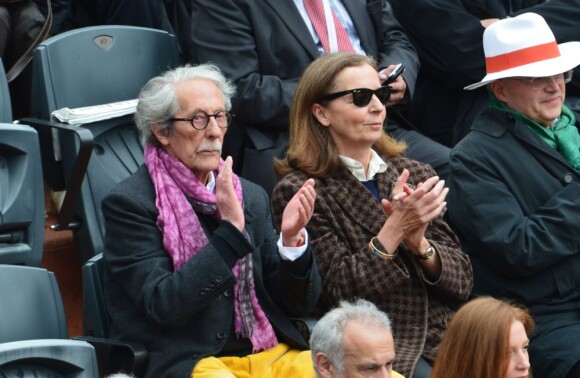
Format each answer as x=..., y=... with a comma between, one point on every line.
x=346, y=217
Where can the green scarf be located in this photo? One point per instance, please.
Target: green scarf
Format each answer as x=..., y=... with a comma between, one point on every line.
x=563, y=136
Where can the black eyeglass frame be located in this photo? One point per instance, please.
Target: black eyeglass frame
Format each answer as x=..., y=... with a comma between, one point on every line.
x=229, y=116
x=357, y=91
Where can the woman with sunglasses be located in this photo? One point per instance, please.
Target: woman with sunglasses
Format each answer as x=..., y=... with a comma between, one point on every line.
x=377, y=230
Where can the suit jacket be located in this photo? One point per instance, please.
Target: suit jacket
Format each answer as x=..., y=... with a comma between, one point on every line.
x=515, y=203
x=448, y=37
x=182, y=316
x=346, y=216
x=264, y=46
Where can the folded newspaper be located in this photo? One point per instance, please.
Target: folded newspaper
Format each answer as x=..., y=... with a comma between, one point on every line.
x=95, y=113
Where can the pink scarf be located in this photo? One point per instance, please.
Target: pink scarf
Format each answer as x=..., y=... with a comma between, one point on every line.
x=183, y=237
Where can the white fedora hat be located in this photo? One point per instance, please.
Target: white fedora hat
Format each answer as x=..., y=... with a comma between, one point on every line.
x=525, y=46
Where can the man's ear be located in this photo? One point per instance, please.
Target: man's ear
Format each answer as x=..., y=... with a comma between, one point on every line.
x=497, y=87
x=320, y=113
x=160, y=135
x=325, y=367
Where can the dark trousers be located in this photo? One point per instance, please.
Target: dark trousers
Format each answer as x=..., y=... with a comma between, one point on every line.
x=422, y=369
x=554, y=348
x=20, y=24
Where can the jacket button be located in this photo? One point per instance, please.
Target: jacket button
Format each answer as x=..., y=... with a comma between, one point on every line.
x=221, y=335
x=228, y=293
x=218, y=279
x=568, y=178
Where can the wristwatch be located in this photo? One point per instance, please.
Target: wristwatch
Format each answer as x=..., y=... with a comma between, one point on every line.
x=427, y=254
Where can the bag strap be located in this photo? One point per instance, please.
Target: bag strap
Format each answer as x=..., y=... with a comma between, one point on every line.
x=23, y=61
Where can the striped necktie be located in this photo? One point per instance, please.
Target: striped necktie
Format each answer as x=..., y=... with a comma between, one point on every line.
x=315, y=10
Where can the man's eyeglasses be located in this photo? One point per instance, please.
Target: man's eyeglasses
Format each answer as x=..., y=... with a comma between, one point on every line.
x=541, y=82
x=200, y=119
x=361, y=96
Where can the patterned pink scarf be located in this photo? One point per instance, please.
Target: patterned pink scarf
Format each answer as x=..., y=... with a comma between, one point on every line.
x=183, y=237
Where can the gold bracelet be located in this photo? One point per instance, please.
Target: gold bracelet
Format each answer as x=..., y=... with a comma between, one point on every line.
x=379, y=253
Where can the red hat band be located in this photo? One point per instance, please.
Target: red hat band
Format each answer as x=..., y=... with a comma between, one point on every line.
x=522, y=57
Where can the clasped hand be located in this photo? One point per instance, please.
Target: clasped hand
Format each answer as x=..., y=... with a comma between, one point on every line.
x=296, y=215
x=410, y=211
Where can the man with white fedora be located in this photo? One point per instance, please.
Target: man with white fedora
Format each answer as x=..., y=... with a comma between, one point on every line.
x=514, y=195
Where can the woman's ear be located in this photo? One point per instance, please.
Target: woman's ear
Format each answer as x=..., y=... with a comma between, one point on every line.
x=160, y=135
x=320, y=113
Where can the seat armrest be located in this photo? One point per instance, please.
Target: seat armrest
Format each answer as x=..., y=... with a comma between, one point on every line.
x=115, y=356
x=74, y=182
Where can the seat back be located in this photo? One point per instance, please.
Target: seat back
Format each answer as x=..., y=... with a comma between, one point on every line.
x=113, y=355
x=117, y=153
x=33, y=330
x=48, y=358
x=95, y=318
x=31, y=306
x=5, y=104
x=21, y=196
x=97, y=65
x=92, y=66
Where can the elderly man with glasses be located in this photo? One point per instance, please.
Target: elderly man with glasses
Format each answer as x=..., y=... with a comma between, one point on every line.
x=514, y=195
x=193, y=269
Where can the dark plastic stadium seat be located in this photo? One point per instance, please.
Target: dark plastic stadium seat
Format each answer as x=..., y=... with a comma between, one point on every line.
x=33, y=330
x=113, y=355
x=30, y=305
x=93, y=66
x=5, y=104
x=50, y=358
x=21, y=196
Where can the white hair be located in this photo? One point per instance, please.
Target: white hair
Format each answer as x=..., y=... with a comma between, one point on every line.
x=158, y=102
x=327, y=335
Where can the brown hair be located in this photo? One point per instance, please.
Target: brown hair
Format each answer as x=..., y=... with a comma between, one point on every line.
x=476, y=343
x=311, y=148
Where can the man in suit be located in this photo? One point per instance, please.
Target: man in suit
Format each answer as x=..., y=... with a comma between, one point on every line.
x=193, y=269
x=448, y=37
x=514, y=193
x=264, y=46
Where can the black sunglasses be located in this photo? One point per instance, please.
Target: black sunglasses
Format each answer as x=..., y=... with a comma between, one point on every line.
x=361, y=96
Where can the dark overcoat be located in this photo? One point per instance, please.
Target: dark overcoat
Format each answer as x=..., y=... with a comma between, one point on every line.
x=515, y=203
x=182, y=316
